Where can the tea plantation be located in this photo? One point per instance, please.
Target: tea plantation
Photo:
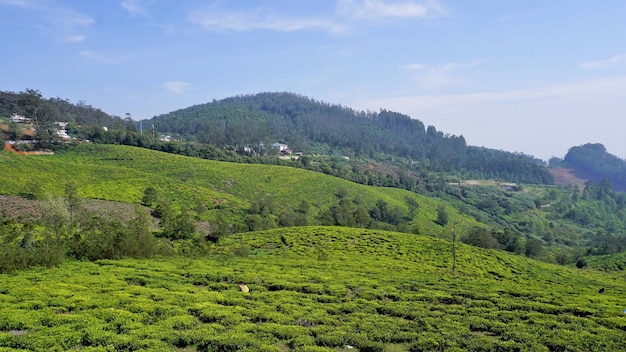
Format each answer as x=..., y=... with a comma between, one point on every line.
x=315, y=289
x=122, y=173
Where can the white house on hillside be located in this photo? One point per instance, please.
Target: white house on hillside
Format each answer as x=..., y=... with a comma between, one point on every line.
x=19, y=118
x=281, y=147
x=62, y=130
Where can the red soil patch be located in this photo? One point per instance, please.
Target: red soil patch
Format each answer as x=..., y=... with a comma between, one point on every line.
x=9, y=147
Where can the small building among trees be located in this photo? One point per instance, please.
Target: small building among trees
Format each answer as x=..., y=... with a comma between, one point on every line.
x=16, y=118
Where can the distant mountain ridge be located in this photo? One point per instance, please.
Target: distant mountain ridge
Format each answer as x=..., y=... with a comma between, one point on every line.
x=247, y=122
x=312, y=126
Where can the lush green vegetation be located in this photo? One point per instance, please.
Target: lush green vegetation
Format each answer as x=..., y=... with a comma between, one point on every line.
x=44, y=112
x=315, y=289
x=391, y=149
x=123, y=173
x=195, y=201
x=256, y=121
x=592, y=161
x=559, y=225
x=186, y=223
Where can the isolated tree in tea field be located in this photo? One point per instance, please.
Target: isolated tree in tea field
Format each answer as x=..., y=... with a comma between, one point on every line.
x=442, y=215
x=533, y=247
x=361, y=217
x=74, y=203
x=32, y=190
x=219, y=228
x=178, y=226
x=56, y=215
x=481, y=237
x=150, y=196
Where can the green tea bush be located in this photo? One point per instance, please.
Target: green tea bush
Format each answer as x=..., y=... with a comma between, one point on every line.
x=363, y=295
x=181, y=322
x=285, y=332
x=301, y=341
x=231, y=343
x=330, y=338
x=429, y=342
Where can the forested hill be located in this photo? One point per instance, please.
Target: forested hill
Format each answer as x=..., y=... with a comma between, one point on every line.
x=44, y=112
x=312, y=126
x=593, y=162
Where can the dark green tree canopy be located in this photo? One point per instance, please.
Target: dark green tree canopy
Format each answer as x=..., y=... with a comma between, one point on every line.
x=306, y=124
x=594, y=162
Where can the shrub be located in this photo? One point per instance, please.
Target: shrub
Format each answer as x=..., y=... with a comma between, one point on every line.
x=243, y=250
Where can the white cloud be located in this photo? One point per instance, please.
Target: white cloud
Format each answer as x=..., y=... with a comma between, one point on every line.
x=62, y=22
x=444, y=68
x=615, y=61
x=67, y=24
x=134, y=7
x=177, y=87
x=104, y=59
x=578, y=90
x=216, y=20
x=371, y=9
x=432, y=76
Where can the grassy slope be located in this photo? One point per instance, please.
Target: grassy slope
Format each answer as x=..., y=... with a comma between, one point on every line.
x=315, y=289
x=121, y=173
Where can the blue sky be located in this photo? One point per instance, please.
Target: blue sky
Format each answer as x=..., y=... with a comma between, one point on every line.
x=536, y=77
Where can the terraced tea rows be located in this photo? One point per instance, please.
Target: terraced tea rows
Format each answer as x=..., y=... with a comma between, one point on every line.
x=315, y=289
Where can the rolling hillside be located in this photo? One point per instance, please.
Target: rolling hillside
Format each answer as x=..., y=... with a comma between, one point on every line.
x=246, y=197
x=121, y=173
x=316, y=289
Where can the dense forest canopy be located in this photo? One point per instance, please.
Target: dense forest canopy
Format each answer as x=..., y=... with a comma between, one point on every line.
x=305, y=124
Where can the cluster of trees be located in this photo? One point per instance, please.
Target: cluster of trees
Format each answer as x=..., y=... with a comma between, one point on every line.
x=592, y=161
x=596, y=206
x=557, y=224
x=506, y=239
x=68, y=229
x=345, y=211
x=353, y=213
x=44, y=112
